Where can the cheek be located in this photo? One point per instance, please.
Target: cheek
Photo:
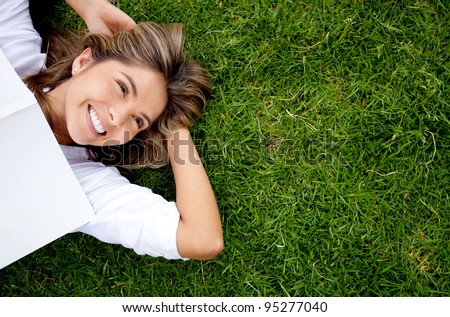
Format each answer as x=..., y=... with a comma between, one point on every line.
x=123, y=136
x=92, y=86
x=128, y=136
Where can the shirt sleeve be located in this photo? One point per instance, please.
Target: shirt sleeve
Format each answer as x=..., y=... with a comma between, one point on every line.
x=19, y=41
x=127, y=214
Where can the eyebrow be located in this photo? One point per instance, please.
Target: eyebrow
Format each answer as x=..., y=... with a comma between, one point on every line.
x=149, y=122
x=133, y=85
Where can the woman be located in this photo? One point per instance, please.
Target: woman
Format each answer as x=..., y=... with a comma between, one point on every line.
x=124, y=99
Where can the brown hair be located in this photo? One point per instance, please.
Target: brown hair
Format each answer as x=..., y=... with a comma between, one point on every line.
x=159, y=47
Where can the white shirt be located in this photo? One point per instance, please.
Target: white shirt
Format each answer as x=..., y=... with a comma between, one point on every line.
x=19, y=41
x=126, y=214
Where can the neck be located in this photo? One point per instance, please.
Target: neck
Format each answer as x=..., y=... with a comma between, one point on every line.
x=56, y=103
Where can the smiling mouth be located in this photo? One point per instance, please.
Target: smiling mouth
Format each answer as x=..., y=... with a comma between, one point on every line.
x=96, y=122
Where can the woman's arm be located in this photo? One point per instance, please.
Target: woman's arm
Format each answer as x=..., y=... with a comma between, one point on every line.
x=101, y=16
x=199, y=234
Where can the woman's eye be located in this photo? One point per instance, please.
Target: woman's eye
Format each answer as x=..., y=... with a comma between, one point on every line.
x=139, y=121
x=123, y=87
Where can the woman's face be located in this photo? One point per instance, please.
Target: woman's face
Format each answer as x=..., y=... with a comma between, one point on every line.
x=108, y=103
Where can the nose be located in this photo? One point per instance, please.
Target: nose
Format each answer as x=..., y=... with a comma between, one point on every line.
x=120, y=123
x=117, y=117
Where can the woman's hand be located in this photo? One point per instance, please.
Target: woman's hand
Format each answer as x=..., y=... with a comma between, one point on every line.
x=101, y=16
x=199, y=234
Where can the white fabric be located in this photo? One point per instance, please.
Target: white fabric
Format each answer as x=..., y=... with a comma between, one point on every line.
x=19, y=41
x=126, y=214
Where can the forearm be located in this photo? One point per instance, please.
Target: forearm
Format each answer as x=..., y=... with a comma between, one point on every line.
x=101, y=16
x=83, y=7
x=200, y=231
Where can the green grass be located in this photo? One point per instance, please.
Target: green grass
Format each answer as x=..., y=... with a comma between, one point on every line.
x=327, y=141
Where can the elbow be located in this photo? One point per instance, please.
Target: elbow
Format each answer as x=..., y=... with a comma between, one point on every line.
x=215, y=249
x=209, y=248
x=203, y=242
x=201, y=247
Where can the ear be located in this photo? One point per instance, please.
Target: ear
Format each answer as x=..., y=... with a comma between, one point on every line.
x=82, y=61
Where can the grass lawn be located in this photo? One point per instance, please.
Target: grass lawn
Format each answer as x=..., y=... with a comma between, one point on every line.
x=327, y=141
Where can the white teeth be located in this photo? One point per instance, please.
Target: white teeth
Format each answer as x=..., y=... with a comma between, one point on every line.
x=94, y=118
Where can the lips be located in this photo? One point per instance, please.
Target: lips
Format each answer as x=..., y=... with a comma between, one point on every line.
x=96, y=123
